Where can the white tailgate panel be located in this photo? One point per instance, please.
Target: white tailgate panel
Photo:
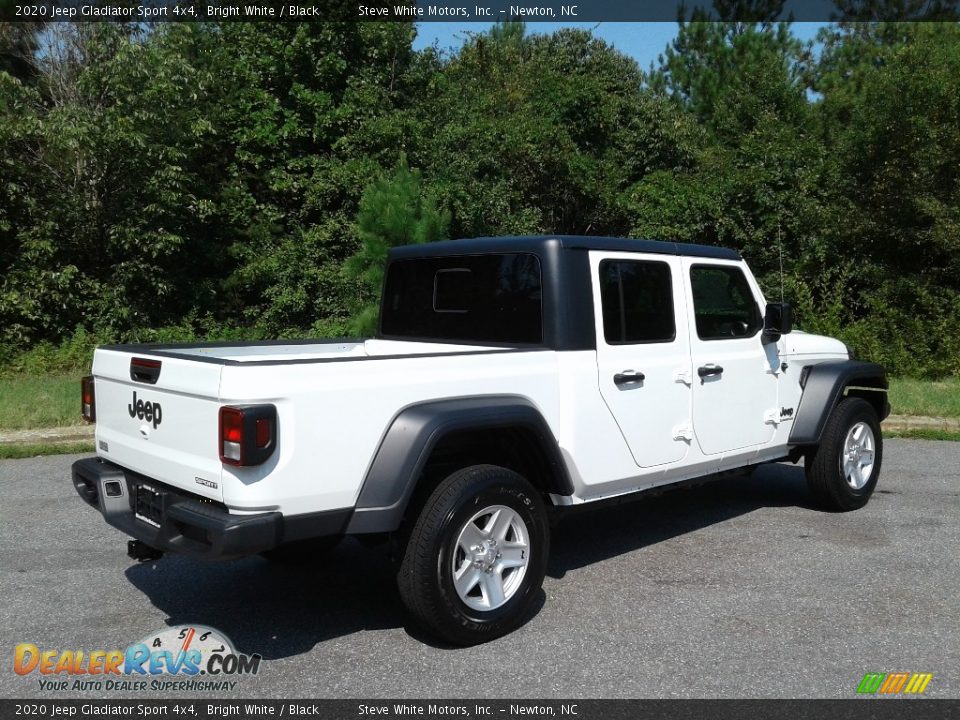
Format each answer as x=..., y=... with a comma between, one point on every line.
x=183, y=446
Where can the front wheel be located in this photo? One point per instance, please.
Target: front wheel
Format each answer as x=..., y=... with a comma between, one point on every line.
x=477, y=555
x=842, y=472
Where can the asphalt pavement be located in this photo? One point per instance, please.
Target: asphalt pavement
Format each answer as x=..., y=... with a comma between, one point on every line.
x=735, y=589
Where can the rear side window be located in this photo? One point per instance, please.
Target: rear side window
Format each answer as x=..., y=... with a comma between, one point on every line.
x=723, y=304
x=494, y=298
x=637, y=299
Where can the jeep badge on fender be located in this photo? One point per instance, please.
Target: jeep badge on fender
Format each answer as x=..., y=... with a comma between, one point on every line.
x=149, y=411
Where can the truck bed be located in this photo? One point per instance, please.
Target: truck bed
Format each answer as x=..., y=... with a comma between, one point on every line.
x=322, y=392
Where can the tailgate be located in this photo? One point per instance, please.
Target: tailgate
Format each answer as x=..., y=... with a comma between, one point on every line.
x=166, y=430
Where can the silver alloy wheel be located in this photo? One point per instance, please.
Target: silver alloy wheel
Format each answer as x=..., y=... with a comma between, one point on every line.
x=856, y=461
x=491, y=558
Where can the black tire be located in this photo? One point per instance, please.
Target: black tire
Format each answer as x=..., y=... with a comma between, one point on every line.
x=426, y=577
x=302, y=552
x=826, y=477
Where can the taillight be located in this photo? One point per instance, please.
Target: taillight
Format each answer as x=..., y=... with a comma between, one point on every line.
x=88, y=400
x=231, y=435
x=247, y=434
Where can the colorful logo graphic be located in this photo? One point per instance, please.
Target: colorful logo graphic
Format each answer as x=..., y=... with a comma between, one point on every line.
x=894, y=683
x=184, y=651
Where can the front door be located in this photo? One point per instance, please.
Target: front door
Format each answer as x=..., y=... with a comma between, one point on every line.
x=643, y=353
x=734, y=373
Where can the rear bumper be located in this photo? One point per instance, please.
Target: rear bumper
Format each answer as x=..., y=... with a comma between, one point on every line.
x=174, y=521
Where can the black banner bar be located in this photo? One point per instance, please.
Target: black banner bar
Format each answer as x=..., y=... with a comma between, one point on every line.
x=221, y=708
x=530, y=11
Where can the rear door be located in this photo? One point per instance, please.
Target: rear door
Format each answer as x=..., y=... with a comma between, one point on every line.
x=643, y=353
x=734, y=373
x=162, y=420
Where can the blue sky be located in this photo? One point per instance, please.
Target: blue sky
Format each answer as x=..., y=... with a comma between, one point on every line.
x=642, y=41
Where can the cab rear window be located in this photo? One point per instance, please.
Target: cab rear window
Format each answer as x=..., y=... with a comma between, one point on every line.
x=492, y=298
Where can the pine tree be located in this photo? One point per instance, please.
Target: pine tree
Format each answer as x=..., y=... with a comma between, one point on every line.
x=393, y=211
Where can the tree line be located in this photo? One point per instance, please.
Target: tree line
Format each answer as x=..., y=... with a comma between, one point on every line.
x=243, y=180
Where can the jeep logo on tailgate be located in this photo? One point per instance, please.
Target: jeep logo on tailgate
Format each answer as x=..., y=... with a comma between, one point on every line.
x=149, y=411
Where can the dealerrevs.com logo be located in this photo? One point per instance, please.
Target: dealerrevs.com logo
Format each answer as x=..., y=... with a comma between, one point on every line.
x=185, y=657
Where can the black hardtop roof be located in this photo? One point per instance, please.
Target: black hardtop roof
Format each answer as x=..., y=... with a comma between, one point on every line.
x=546, y=243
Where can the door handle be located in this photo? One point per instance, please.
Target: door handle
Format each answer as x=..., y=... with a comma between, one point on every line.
x=708, y=370
x=628, y=376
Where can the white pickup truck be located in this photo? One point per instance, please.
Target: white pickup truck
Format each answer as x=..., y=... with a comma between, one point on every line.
x=508, y=376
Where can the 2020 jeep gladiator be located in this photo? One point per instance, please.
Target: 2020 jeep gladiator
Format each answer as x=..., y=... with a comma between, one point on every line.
x=508, y=375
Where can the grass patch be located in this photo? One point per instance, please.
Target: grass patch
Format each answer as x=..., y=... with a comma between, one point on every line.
x=923, y=434
x=15, y=452
x=933, y=398
x=39, y=401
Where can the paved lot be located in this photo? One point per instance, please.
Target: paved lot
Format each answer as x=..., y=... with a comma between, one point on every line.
x=738, y=588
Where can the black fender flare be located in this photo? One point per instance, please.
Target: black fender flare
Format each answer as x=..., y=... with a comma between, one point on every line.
x=823, y=386
x=413, y=434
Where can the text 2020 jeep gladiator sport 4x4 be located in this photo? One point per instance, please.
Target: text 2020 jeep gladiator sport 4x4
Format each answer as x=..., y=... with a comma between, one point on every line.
x=508, y=375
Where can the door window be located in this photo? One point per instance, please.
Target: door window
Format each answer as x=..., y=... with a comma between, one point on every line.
x=637, y=298
x=723, y=304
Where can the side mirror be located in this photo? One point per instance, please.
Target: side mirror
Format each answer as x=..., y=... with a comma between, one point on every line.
x=777, y=321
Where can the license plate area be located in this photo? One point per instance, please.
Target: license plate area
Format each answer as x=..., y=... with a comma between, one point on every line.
x=148, y=504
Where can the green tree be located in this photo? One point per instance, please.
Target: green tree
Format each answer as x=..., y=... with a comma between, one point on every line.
x=889, y=114
x=754, y=170
x=312, y=114
x=393, y=211
x=541, y=133
x=121, y=161
x=19, y=130
x=731, y=75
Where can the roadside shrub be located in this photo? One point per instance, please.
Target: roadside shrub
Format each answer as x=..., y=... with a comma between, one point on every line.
x=905, y=325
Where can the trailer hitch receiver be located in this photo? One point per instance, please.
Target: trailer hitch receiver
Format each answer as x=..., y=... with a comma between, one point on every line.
x=141, y=552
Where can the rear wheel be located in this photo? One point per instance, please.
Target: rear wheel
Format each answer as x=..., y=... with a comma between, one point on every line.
x=842, y=472
x=476, y=556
